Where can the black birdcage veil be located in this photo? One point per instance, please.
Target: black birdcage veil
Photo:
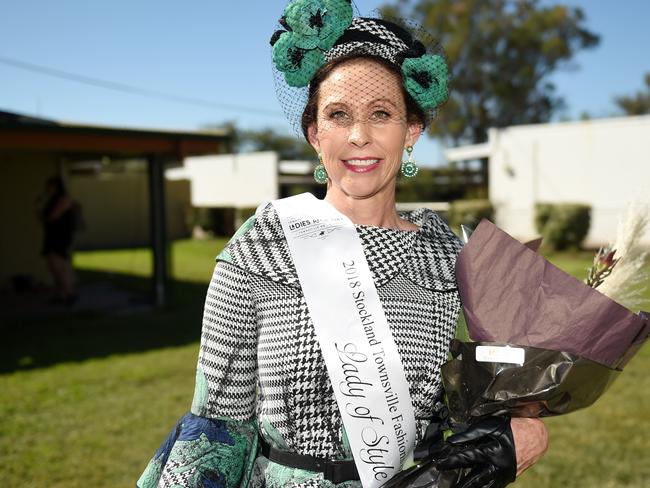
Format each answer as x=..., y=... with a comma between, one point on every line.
x=314, y=34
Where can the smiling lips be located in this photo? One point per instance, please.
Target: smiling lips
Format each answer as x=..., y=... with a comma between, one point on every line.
x=361, y=165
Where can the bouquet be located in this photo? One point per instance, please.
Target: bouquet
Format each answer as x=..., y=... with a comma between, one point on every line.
x=543, y=342
x=569, y=340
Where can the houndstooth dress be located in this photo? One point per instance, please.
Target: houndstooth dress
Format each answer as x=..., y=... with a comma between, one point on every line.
x=260, y=367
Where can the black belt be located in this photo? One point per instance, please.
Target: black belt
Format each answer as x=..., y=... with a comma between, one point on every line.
x=334, y=471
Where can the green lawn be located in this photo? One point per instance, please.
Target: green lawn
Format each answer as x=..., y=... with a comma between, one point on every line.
x=97, y=394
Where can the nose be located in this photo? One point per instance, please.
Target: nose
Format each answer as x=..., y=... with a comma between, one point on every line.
x=359, y=134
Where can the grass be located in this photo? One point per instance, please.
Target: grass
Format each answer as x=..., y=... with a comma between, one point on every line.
x=192, y=264
x=91, y=423
x=99, y=393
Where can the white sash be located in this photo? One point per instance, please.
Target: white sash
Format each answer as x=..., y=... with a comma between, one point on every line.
x=359, y=351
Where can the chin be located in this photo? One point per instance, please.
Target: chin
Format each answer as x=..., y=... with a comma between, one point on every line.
x=362, y=190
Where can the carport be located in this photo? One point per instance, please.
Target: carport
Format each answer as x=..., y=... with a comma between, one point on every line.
x=33, y=148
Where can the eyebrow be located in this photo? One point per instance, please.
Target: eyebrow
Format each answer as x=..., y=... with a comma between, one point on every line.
x=372, y=102
x=387, y=100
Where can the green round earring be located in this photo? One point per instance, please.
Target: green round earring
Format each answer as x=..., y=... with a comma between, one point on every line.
x=409, y=168
x=320, y=173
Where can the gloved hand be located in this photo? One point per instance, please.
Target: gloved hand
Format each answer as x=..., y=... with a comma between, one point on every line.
x=487, y=450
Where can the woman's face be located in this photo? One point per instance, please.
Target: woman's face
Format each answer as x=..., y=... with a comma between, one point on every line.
x=362, y=129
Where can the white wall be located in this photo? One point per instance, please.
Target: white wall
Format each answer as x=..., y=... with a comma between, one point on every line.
x=604, y=163
x=230, y=180
x=125, y=222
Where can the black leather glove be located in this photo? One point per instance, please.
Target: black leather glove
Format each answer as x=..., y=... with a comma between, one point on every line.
x=487, y=451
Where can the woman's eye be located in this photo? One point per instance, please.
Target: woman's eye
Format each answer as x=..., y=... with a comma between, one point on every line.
x=380, y=115
x=338, y=115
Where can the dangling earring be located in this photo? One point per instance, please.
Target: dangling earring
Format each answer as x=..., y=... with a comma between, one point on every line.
x=320, y=173
x=409, y=168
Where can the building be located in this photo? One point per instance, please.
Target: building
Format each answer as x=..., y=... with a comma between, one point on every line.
x=229, y=180
x=235, y=184
x=604, y=163
x=33, y=149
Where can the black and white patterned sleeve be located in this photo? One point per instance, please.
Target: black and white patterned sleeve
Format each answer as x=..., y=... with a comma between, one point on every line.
x=227, y=366
x=216, y=440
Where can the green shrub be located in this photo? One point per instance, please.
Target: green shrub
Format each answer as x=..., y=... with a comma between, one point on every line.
x=245, y=213
x=202, y=217
x=563, y=225
x=469, y=213
x=542, y=214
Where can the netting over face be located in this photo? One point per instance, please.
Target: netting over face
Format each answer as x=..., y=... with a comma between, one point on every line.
x=316, y=35
x=362, y=125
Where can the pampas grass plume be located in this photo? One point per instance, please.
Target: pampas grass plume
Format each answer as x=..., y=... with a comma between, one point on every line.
x=629, y=278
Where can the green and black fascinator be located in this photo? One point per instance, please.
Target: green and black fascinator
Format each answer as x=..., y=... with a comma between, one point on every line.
x=314, y=32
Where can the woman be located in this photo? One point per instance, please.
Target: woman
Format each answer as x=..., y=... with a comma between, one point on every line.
x=58, y=218
x=265, y=364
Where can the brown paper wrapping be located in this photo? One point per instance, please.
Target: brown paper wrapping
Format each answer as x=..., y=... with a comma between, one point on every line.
x=513, y=295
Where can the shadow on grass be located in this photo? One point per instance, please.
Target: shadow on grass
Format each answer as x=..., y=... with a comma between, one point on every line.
x=78, y=334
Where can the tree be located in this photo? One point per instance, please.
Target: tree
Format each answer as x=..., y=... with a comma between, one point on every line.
x=288, y=147
x=638, y=104
x=501, y=55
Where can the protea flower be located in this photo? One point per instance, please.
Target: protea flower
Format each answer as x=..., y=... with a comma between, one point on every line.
x=628, y=281
x=602, y=266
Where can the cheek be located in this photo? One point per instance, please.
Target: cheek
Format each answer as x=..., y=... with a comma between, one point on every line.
x=393, y=140
x=332, y=141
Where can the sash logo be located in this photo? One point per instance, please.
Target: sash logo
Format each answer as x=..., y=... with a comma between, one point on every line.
x=298, y=225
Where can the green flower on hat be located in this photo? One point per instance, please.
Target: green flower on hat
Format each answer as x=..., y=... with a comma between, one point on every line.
x=425, y=79
x=318, y=23
x=313, y=26
x=298, y=65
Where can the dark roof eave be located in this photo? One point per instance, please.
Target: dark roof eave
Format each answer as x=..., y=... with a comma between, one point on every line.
x=24, y=133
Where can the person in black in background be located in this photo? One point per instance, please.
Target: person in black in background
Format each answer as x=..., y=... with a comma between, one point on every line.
x=58, y=216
